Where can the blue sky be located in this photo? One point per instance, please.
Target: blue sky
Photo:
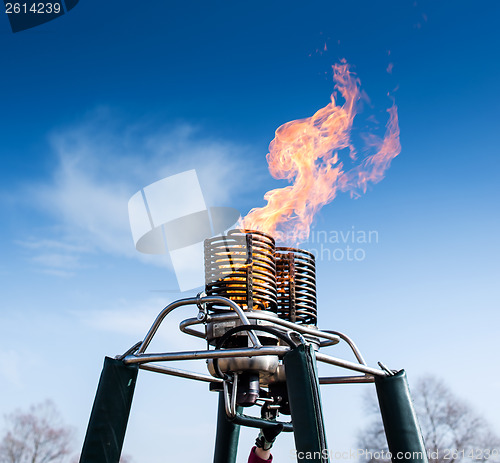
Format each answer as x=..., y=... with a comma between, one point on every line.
x=114, y=96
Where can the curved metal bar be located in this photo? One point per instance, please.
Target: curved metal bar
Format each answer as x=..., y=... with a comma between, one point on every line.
x=349, y=365
x=293, y=326
x=332, y=340
x=255, y=314
x=185, y=324
x=349, y=341
x=230, y=400
x=235, y=393
x=195, y=301
x=327, y=343
x=129, y=351
x=389, y=372
x=245, y=420
x=181, y=373
x=159, y=319
x=346, y=379
x=206, y=354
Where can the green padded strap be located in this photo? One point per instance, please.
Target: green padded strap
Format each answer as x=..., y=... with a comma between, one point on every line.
x=305, y=405
x=400, y=421
x=108, y=419
x=228, y=434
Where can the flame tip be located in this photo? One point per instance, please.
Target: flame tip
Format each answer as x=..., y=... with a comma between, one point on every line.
x=306, y=153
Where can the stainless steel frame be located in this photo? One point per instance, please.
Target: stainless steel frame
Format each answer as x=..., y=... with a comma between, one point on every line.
x=138, y=355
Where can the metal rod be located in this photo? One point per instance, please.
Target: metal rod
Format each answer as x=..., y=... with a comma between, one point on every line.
x=332, y=336
x=389, y=372
x=205, y=354
x=327, y=343
x=234, y=393
x=254, y=314
x=336, y=334
x=159, y=319
x=294, y=326
x=346, y=379
x=346, y=364
x=349, y=341
x=180, y=373
x=185, y=324
x=230, y=400
x=195, y=301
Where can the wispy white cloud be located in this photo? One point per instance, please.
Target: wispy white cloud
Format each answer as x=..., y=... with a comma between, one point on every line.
x=54, y=257
x=134, y=319
x=57, y=264
x=101, y=163
x=57, y=272
x=50, y=244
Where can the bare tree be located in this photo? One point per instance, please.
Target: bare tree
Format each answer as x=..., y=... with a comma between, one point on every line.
x=39, y=436
x=453, y=432
x=36, y=436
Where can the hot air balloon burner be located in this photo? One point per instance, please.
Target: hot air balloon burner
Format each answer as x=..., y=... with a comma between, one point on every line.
x=258, y=316
x=246, y=267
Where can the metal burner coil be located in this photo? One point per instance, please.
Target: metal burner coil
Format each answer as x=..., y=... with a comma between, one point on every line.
x=241, y=266
x=296, y=278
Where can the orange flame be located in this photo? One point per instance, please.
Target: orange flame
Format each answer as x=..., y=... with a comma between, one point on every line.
x=306, y=153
